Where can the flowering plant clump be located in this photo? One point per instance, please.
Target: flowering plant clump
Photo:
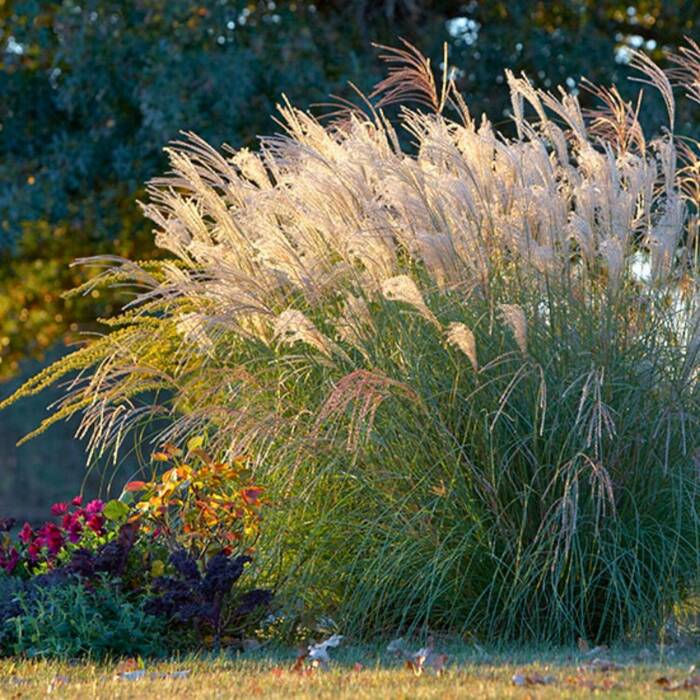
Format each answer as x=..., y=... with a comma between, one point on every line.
x=167, y=563
x=37, y=550
x=203, y=506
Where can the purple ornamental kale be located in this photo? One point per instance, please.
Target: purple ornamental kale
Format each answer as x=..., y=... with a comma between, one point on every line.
x=203, y=600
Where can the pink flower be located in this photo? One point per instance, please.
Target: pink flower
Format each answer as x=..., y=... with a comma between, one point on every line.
x=94, y=507
x=59, y=508
x=77, y=501
x=26, y=533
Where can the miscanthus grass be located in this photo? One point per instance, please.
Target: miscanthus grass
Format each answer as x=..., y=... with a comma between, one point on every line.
x=466, y=371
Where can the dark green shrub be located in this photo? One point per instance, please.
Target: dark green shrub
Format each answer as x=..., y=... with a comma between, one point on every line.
x=69, y=620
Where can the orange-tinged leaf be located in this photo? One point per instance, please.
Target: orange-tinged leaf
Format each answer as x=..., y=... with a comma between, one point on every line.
x=135, y=486
x=172, y=450
x=252, y=495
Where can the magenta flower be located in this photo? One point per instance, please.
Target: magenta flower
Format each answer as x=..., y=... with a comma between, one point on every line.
x=26, y=533
x=9, y=560
x=59, y=508
x=33, y=551
x=77, y=501
x=94, y=507
x=74, y=532
x=95, y=523
x=51, y=536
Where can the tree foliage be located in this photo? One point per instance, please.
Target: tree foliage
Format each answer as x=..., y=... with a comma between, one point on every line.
x=93, y=89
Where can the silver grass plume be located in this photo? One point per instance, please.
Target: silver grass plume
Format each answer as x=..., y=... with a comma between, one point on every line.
x=462, y=337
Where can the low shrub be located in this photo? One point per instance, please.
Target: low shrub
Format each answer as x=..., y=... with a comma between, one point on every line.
x=206, y=601
x=199, y=504
x=69, y=619
x=466, y=372
x=144, y=579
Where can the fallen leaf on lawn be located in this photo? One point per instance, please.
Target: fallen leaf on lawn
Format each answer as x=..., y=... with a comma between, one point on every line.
x=277, y=672
x=357, y=667
x=688, y=684
x=318, y=653
x=56, y=682
x=14, y=680
x=131, y=675
x=298, y=664
x=589, y=684
x=184, y=673
x=438, y=662
x=418, y=661
x=601, y=666
x=416, y=664
x=524, y=680
x=129, y=665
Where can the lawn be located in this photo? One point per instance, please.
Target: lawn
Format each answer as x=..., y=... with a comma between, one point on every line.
x=369, y=672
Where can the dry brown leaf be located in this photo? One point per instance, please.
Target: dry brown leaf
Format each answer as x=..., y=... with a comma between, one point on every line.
x=438, y=663
x=57, y=682
x=600, y=665
x=690, y=683
x=523, y=680
x=173, y=675
x=318, y=653
x=298, y=665
x=589, y=684
x=128, y=665
x=421, y=660
x=131, y=675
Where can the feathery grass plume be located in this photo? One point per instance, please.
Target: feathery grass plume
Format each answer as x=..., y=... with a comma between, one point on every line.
x=536, y=494
x=403, y=288
x=462, y=337
x=657, y=78
x=410, y=78
x=514, y=317
x=686, y=70
x=364, y=391
x=293, y=326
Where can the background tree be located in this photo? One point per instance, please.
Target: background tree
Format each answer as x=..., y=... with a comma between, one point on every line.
x=91, y=91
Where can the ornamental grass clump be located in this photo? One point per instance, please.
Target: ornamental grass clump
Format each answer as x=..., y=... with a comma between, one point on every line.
x=466, y=369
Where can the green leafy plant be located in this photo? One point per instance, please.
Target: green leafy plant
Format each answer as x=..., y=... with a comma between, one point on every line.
x=71, y=620
x=466, y=374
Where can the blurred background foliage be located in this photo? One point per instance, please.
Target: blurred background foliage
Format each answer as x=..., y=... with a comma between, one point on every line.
x=91, y=91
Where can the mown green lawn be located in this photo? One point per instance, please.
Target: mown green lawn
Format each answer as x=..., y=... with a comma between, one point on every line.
x=366, y=672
